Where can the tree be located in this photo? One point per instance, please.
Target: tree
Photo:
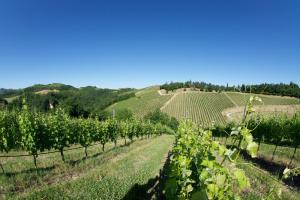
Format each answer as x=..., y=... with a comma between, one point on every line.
x=123, y=114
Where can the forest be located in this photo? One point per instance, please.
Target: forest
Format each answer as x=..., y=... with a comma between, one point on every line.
x=280, y=89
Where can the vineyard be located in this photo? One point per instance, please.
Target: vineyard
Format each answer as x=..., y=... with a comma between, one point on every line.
x=206, y=107
x=100, y=176
x=28, y=134
x=241, y=99
x=146, y=100
x=204, y=168
x=36, y=132
x=54, y=155
x=199, y=107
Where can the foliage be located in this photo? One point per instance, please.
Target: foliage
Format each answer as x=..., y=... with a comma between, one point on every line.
x=36, y=132
x=281, y=89
x=159, y=117
x=198, y=161
x=123, y=114
x=145, y=101
x=77, y=102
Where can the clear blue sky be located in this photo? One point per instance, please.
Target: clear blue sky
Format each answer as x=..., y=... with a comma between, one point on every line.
x=139, y=43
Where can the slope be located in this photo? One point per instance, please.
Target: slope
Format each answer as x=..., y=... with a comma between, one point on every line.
x=145, y=101
x=206, y=107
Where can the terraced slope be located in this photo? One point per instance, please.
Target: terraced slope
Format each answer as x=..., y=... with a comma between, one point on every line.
x=241, y=99
x=146, y=100
x=203, y=108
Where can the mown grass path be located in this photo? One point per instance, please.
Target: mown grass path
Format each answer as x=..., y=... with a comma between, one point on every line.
x=123, y=173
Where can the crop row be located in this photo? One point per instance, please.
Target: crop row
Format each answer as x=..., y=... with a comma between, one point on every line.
x=202, y=108
x=36, y=132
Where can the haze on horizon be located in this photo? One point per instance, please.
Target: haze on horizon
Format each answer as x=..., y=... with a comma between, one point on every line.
x=117, y=44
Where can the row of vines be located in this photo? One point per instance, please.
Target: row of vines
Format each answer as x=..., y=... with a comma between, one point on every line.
x=37, y=132
x=198, y=163
x=202, y=108
x=277, y=130
x=203, y=168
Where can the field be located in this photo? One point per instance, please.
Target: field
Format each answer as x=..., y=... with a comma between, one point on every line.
x=137, y=169
x=199, y=107
x=207, y=107
x=119, y=172
x=146, y=100
x=241, y=99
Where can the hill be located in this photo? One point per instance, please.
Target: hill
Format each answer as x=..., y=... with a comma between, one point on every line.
x=207, y=107
x=200, y=107
x=84, y=101
x=145, y=101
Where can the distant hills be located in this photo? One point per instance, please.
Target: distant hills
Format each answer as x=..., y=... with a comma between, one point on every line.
x=84, y=101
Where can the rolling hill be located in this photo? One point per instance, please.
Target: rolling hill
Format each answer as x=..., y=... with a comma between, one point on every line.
x=201, y=107
x=145, y=101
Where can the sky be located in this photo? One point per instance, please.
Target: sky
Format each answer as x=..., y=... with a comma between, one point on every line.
x=116, y=44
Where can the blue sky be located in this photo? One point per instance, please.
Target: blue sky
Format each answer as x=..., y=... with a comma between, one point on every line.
x=140, y=43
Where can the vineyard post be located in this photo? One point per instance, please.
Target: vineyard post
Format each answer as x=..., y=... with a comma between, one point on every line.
x=62, y=154
x=85, y=151
x=2, y=167
x=35, y=155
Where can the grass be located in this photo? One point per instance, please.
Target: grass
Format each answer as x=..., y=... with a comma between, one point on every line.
x=146, y=100
x=283, y=154
x=264, y=184
x=103, y=175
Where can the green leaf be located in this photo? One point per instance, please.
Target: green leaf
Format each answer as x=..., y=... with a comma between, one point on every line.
x=241, y=178
x=189, y=188
x=252, y=149
x=220, y=180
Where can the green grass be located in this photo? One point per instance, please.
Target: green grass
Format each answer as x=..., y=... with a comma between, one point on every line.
x=262, y=184
x=283, y=154
x=203, y=108
x=146, y=100
x=108, y=175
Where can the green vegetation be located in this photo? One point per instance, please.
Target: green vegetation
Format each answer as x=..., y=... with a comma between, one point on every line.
x=202, y=108
x=264, y=186
x=206, y=107
x=157, y=116
x=275, y=132
x=146, y=100
x=242, y=98
x=119, y=172
x=198, y=170
x=78, y=102
x=36, y=132
x=281, y=89
x=202, y=168
x=78, y=148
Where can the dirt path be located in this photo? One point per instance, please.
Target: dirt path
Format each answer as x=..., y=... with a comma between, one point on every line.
x=167, y=103
x=236, y=112
x=231, y=99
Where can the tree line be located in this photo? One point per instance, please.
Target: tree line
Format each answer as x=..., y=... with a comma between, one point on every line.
x=281, y=89
x=77, y=102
